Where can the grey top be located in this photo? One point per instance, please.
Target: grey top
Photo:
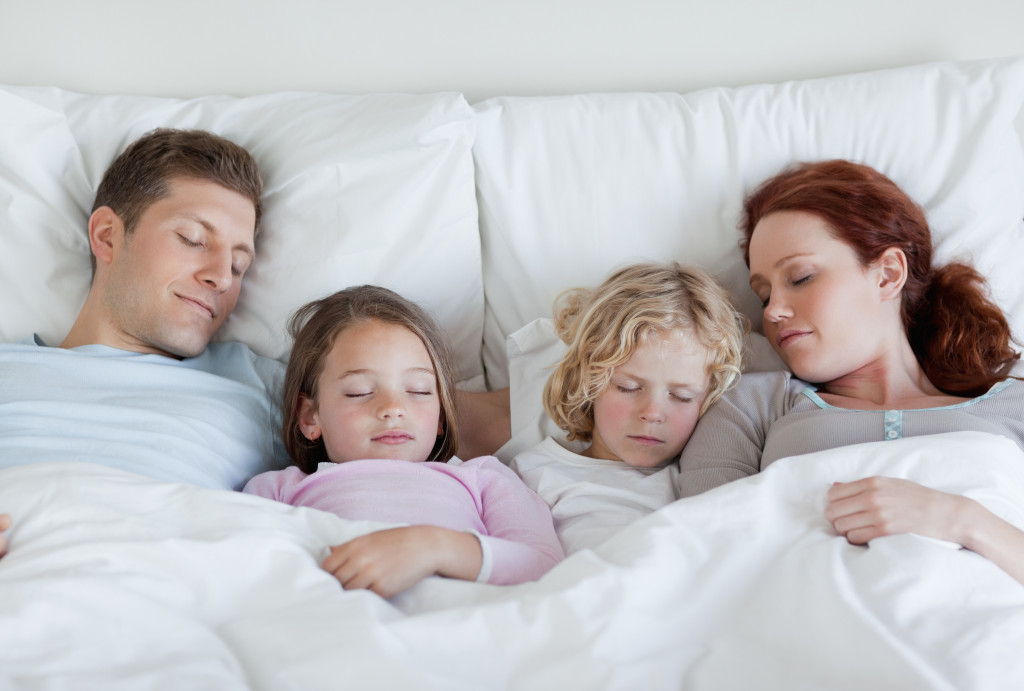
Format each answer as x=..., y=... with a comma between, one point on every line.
x=771, y=415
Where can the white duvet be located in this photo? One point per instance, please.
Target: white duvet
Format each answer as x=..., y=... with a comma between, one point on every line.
x=115, y=581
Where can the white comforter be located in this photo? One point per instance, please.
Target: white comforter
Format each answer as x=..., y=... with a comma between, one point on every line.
x=118, y=582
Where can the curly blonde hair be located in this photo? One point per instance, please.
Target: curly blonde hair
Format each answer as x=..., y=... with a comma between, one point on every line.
x=604, y=326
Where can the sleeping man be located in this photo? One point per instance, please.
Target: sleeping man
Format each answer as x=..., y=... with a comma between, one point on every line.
x=136, y=384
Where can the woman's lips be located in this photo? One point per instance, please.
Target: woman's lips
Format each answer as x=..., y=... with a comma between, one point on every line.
x=789, y=337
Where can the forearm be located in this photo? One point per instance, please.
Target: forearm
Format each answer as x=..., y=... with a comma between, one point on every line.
x=485, y=422
x=458, y=554
x=5, y=523
x=519, y=562
x=993, y=538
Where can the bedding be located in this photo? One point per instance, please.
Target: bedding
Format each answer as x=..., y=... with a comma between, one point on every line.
x=121, y=582
x=484, y=213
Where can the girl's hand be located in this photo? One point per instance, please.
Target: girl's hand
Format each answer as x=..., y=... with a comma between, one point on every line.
x=391, y=561
x=876, y=506
x=5, y=523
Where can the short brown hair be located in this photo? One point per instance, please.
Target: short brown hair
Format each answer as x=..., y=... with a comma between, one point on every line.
x=314, y=328
x=140, y=175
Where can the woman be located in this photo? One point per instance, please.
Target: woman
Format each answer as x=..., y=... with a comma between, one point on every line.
x=841, y=259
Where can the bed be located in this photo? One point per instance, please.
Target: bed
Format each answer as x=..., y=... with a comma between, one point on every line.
x=483, y=212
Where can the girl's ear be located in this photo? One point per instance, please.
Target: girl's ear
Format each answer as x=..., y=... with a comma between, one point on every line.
x=308, y=424
x=892, y=272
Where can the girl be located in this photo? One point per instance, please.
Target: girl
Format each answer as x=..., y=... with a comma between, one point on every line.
x=370, y=428
x=649, y=350
x=881, y=345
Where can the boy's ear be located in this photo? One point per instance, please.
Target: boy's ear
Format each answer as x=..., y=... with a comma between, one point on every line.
x=106, y=232
x=308, y=424
x=892, y=272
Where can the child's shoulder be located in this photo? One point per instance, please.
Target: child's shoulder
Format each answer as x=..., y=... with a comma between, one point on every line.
x=272, y=482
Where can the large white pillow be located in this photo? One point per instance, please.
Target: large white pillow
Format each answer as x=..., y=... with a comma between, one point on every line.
x=571, y=186
x=359, y=189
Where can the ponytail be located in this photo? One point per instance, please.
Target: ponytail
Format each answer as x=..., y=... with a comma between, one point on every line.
x=960, y=337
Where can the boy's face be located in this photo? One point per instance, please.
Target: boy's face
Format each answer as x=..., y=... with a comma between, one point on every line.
x=174, y=280
x=646, y=414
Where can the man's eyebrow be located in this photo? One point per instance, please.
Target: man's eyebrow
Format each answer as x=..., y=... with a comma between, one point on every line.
x=243, y=247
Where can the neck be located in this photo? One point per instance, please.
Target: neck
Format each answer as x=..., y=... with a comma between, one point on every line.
x=887, y=381
x=86, y=329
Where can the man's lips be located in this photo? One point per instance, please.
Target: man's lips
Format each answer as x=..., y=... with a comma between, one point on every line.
x=198, y=304
x=788, y=337
x=393, y=437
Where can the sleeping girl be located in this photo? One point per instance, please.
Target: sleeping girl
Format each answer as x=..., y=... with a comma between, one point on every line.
x=649, y=350
x=370, y=428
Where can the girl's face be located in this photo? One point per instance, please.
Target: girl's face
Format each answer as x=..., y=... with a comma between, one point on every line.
x=646, y=414
x=378, y=396
x=823, y=310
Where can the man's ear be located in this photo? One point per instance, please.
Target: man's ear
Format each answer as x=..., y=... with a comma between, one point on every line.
x=307, y=418
x=106, y=233
x=892, y=272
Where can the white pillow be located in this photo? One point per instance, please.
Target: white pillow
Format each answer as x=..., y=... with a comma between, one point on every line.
x=359, y=189
x=572, y=186
x=535, y=350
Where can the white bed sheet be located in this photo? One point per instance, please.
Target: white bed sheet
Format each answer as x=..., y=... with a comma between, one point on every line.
x=115, y=581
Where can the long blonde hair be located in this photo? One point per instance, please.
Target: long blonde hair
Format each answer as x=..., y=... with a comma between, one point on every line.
x=604, y=326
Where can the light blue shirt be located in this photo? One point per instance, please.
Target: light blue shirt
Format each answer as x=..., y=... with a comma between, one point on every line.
x=211, y=420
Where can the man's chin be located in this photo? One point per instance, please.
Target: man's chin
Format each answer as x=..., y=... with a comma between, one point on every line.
x=180, y=348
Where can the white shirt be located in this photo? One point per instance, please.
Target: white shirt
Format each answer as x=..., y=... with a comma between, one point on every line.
x=592, y=499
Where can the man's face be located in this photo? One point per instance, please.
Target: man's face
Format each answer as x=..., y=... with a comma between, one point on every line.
x=175, y=278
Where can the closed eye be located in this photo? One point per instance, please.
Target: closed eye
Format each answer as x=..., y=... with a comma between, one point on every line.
x=626, y=389
x=188, y=242
x=358, y=395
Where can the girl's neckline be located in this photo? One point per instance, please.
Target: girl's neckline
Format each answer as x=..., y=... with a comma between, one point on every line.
x=811, y=393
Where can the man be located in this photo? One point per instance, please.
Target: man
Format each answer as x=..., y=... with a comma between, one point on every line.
x=136, y=383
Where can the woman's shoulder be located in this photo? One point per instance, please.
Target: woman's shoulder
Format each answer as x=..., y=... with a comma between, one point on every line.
x=757, y=387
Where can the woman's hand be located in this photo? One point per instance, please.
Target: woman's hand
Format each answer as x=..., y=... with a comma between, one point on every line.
x=865, y=509
x=877, y=506
x=391, y=561
x=5, y=523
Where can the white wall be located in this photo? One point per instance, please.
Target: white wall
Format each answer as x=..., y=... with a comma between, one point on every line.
x=481, y=47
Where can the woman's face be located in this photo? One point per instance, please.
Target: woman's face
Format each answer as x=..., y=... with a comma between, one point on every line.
x=824, y=312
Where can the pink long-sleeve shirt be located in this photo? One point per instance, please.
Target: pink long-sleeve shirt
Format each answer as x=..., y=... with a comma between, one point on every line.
x=481, y=495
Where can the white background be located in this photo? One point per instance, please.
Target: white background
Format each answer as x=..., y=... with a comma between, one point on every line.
x=481, y=47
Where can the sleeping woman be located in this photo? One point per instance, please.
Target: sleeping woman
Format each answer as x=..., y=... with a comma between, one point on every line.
x=881, y=345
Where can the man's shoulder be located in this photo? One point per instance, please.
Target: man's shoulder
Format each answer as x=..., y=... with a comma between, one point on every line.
x=236, y=360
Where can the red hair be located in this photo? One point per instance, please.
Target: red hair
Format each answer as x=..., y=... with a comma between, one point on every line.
x=960, y=337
